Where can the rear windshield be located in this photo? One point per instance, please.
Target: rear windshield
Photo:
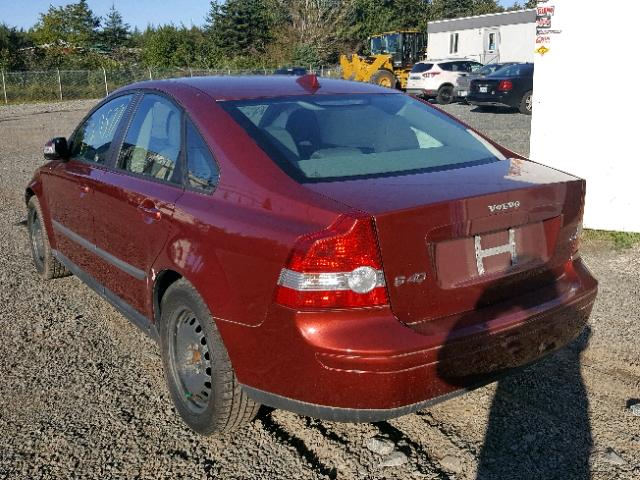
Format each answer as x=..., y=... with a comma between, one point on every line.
x=492, y=67
x=421, y=67
x=517, y=70
x=338, y=137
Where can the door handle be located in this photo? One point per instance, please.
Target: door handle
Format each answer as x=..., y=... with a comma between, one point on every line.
x=149, y=208
x=84, y=188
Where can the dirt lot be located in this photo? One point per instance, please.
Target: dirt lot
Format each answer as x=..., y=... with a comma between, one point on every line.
x=82, y=393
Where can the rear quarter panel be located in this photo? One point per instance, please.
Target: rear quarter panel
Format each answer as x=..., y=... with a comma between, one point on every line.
x=231, y=244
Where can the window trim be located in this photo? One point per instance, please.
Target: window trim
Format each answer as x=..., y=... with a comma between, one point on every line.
x=454, y=39
x=124, y=121
x=275, y=155
x=185, y=170
x=493, y=33
x=113, y=165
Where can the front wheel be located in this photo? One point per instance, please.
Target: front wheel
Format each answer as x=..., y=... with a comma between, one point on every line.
x=384, y=78
x=46, y=264
x=526, y=104
x=445, y=95
x=197, y=368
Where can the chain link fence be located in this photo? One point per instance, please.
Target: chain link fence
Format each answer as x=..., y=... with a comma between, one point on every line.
x=52, y=85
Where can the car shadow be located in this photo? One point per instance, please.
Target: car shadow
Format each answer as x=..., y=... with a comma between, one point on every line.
x=497, y=110
x=538, y=423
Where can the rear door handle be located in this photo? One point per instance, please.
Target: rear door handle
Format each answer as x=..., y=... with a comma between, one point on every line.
x=149, y=208
x=84, y=188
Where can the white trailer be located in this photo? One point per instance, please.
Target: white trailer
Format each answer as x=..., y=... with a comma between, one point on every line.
x=496, y=37
x=575, y=126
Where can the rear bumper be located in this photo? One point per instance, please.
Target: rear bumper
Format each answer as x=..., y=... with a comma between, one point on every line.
x=506, y=99
x=367, y=366
x=421, y=92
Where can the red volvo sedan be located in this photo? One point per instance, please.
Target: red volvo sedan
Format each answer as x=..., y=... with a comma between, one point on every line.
x=332, y=248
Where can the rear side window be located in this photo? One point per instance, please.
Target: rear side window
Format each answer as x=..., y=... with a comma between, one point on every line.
x=152, y=144
x=421, y=67
x=202, y=170
x=93, y=138
x=328, y=138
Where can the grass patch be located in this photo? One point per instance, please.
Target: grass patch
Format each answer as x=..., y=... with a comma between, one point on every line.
x=620, y=240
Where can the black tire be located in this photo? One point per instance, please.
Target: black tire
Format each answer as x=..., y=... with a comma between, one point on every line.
x=384, y=78
x=445, y=95
x=197, y=368
x=526, y=104
x=46, y=264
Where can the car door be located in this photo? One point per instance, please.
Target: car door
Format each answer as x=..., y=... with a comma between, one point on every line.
x=136, y=198
x=69, y=188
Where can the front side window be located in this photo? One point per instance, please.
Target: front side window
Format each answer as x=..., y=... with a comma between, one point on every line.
x=341, y=137
x=93, y=138
x=376, y=45
x=393, y=43
x=202, y=170
x=152, y=144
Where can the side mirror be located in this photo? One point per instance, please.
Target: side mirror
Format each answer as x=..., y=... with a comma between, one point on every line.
x=56, y=149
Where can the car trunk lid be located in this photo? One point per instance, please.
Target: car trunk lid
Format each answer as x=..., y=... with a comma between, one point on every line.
x=447, y=238
x=484, y=86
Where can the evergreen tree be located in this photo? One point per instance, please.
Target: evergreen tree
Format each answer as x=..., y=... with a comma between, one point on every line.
x=240, y=27
x=11, y=40
x=115, y=32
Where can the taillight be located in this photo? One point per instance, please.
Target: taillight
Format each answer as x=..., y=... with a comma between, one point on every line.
x=505, y=86
x=575, y=239
x=335, y=268
x=430, y=74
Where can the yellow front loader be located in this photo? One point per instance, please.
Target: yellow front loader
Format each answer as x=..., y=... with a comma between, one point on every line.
x=392, y=56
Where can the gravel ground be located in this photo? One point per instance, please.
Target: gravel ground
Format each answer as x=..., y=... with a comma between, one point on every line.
x=82, y=393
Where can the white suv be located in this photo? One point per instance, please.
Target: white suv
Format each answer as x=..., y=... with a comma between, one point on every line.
x=437, y=78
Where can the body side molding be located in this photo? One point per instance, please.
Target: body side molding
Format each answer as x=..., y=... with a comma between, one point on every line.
x=131, y=314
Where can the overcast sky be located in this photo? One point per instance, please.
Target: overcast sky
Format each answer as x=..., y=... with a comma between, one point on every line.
x=138, y=13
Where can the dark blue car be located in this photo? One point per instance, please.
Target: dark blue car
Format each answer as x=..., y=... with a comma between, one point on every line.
x=508, y=87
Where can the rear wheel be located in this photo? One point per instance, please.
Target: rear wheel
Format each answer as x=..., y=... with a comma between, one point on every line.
x=384, y=78
x=445, y=95
x=197, y=367
x=526, y=104
x=44, y=261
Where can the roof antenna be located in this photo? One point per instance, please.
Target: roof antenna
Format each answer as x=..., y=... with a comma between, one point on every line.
x=309, y=82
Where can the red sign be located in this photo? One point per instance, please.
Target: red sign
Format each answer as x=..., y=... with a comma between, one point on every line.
x=543, y=11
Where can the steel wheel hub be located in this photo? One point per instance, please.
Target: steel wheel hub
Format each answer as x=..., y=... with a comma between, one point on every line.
x=192, y=361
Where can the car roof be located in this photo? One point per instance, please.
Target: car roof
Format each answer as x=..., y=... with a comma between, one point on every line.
x=443, y=60
x=259, y=86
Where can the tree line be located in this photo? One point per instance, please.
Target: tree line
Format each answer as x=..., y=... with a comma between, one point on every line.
x=235, y=33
